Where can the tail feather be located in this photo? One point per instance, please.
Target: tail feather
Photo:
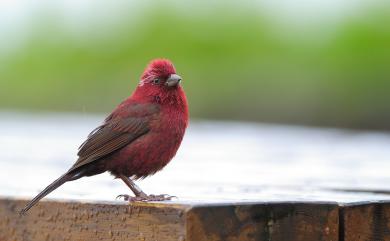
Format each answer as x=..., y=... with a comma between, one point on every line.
x=54, y=185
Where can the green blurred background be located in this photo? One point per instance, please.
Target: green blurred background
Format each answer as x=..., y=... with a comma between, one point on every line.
x=304, y=62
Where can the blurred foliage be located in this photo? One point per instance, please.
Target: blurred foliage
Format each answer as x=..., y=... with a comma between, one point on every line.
x=235, y=66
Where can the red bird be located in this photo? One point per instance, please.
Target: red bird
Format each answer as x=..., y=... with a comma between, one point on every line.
x=138, y=138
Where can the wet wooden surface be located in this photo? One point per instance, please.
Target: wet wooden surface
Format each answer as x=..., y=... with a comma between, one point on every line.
x=234, y=181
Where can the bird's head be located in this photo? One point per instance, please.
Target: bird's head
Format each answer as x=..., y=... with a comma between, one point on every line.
x=159, y=81
x=162, y=74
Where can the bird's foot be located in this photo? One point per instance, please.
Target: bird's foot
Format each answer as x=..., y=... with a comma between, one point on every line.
x=146, y=198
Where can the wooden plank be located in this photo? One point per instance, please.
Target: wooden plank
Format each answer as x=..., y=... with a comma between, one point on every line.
x=365, y=221
x=76, y=221
x=169, y=221
x=264, y=222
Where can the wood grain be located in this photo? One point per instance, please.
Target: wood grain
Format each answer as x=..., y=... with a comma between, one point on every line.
x=263, y=222
x=239, y=221
x=366, y=221
x=169, y=221
x=76, y=221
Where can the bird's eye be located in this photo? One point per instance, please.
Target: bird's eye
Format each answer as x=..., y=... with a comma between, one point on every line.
x=156, y=81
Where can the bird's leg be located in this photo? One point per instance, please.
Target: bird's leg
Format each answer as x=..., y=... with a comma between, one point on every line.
x=134, y=188
x=139, y=194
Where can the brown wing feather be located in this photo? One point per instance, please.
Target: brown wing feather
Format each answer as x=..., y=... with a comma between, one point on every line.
x=114, y=134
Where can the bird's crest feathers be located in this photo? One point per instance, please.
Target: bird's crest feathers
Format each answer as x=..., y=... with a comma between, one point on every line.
x=158, y=68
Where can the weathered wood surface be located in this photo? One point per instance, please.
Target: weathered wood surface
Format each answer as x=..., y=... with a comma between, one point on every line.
x=288, y=221
x=263, y=222
x=77, y=221
x=365, y=221
x=177, y=222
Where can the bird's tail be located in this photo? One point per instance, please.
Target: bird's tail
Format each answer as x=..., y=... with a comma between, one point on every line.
x=54, y=185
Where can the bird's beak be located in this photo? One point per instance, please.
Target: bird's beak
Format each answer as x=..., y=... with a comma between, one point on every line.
x=173, y=80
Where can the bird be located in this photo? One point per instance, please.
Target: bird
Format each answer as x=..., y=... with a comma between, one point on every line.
x=139, y=137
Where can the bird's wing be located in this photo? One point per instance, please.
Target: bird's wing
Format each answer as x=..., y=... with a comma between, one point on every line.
x=115, y=133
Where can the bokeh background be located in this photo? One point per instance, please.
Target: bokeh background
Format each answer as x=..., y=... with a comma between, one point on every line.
x=258, y=74
x=322, y=63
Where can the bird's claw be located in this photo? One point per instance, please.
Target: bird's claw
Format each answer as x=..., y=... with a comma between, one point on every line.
x=161, y=197
x=146, y=198
x=124, y=196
